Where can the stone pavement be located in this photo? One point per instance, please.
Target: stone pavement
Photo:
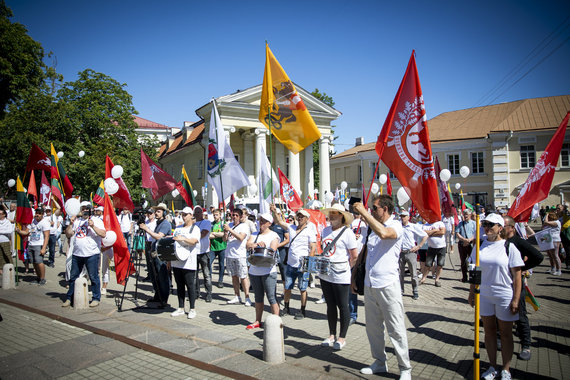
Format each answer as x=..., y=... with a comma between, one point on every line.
x=141, y=341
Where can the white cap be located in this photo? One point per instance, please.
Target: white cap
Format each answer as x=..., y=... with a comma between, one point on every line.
x=85, y=204
x=187, y=210
x=495, y=218
x=266, y=216
x=100, y=208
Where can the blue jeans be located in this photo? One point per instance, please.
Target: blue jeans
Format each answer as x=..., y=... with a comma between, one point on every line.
x=127, y=240
x=353, y=305
x=221, y=263
x=92, y=264
x=51, y=248
x=291, y=275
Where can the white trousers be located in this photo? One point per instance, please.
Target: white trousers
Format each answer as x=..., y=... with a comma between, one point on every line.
x=384, y=306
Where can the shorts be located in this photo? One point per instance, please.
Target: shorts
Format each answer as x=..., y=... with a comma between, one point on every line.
x=291, y=274
x=497, y=306
x=422, y=254
x=34, y=254
x=264, y=285
x=432, y=254
x=237, y=267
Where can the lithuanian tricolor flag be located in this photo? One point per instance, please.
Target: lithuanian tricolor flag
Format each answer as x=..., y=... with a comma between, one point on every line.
x=56, y=193
x=529, y=298
x=99, y=196
x=58, y=172
x=185, y=188
x=24, y=213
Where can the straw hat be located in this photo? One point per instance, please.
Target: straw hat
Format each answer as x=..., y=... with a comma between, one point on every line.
x=348, y=217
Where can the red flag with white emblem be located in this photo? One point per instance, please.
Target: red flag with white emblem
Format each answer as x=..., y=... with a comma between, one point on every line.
x=154, y=178
x=538, y=183
x=404, y=146
x=288, y=192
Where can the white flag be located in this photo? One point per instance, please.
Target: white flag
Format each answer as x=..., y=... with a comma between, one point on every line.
x=266, y=191
x=224, y=172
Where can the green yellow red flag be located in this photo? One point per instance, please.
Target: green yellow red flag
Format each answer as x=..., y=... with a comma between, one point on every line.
x=24, y=213
x=99, y=196
x=57, y=171
x=282, y=110
x=185, y=188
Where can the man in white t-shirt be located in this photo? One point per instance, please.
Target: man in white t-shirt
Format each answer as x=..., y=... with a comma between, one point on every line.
x=55, y=226
x=205, y=227
x=436, y=250
x=87, y=233
x=38, y=239
x=236, y=235
x=408, y=255
x=126, y=222
x=382, y=293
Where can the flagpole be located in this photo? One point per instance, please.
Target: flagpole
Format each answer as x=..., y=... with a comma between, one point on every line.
x=218, y=143
x=270, y=137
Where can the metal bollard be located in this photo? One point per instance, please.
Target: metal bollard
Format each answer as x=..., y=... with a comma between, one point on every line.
x=8, y=277
x=80, y=294
x=273, y=349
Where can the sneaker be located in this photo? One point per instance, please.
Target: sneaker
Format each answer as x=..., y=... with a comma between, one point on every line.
x=438, y=284
x=300, y=315
x=406, y=374
x=236, y=299
x=376, y=367
x=339, y=345
x=42, y=282
x=321, y=300
x=490, y=374
x=505, y=375
x=254, y=325
x=247, y=302
x=327, y=342
x=551, y=270
x=177, y=313
x=192, y=314
x=209, y=297
x=557, y=273
x=312, y=284
x=352, y=321
x=94, y=303
x=66, y=303
x=525, y=354
x=103, y=291
x=415, y=296
x=220, y=284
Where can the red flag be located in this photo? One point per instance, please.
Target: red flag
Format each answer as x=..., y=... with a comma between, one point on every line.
x=404, y=145
x=44, y=190
x=120, y=250
x=320, y=221
x=288, y=192
x=38, y=159
x=32, y=189
x=538, y=183
x=388, y=185
x=443, y=193
x=154, y=178
x=122, y=198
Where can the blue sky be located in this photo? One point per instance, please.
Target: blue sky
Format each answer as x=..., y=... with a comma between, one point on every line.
x=176, y=55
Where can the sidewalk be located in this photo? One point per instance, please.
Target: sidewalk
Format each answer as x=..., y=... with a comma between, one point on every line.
x=98, y=342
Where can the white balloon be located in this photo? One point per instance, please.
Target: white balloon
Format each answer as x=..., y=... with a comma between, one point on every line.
x=145, y=204
x=445, y=175
x=343, y=185
x=111, y=186
x=72, y=207
x=346, y=205
x=383, y=179
x=59, y=154
x=403, y=197
x=329, y=197
x=175, y=193
x=81, y=154
x=457, y=186
x=109, y=239
x=375, y=188
x=117, y=171
x=11, y=182
x=195, y=192
x=464, y=171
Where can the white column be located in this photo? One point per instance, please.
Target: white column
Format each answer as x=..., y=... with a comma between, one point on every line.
x=279, y=155
x=324, y=168
x=295, y=172
x=248, y=148
x=260, y=142
x=309, y=182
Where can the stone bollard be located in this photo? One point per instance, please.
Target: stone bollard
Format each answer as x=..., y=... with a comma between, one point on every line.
x=273, y=349
x=8, y=277
x=80, y=294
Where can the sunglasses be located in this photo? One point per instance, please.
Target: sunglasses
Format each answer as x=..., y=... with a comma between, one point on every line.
x=488, y=224
x=374, y=207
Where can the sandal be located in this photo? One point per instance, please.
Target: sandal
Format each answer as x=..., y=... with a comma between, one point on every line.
x=254, y=325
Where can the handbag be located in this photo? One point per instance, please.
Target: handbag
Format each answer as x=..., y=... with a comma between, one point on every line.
x=360, y=268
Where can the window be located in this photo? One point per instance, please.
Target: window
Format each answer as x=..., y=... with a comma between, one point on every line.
x=200, y=169
x=453, y=163
x=391, y=175
x=528, y=156
x=287, y=166
x=359, y=173
x=477, y=162
x=565, y=155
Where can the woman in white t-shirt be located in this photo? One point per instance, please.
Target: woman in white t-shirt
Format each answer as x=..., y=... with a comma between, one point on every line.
x=263, y=279
x=336, y=285
x=187, y=245
x=500, y=292
x=553, y=223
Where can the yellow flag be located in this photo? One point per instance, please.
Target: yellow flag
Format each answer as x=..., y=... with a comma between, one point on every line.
x=282, y=110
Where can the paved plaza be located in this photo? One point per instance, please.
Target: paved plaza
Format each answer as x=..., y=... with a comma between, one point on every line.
x=42, y=340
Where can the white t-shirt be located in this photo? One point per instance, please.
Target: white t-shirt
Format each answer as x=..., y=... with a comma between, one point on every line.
x=268, y=237
x=125, y=222
x=36, y=237
x=235, y=248
x=362, y=233
x=436, y=241
x=339, y=254
x=204, y=224
x=300, y=246
x=382, y=261
x=56, y=223
x=555, y=232
x=495, y=267
x=186, y=252
x=6, y=229
x=448, y=223
x=410, y=233
x=151, y=224
x=87, y=242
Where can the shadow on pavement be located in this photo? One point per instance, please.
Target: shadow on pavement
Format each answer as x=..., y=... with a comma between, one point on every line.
x=227, y=318
x=457, y=299
x=552, y=330
x=555, y=299
x=419, y=318
x=463, y=368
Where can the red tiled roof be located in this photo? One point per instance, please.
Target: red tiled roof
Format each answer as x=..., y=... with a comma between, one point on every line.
x=180, y=141
x=144, y=123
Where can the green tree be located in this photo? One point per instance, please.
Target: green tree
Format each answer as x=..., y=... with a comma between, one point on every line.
x=21, y=65
x=328, y=100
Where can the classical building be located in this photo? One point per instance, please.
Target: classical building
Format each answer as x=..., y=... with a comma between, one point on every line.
x=500, y=144
x=239, y=114
x=150, y=128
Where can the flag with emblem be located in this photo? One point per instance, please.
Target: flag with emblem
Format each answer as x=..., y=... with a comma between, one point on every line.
x=224, y=172
x=185, y=189
x=404, y=145
x=57, y=171
x=154, y=178
x=288, y=192
x=267, y=182
x=99, y=197
x=37, y=159
x=282, y=110
x=45, y=190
